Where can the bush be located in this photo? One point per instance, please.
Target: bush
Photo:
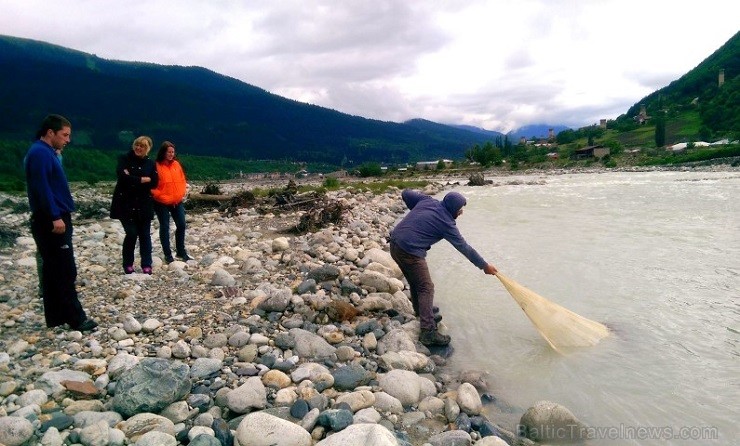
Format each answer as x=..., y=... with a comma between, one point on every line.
x=331, y=183
x=370, y=170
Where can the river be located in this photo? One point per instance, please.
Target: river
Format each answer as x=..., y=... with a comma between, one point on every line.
x=653, y=255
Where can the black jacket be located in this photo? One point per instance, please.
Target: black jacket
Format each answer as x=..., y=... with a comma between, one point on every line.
x=132, y=199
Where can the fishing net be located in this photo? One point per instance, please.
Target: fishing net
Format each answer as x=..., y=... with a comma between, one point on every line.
x=560, y=327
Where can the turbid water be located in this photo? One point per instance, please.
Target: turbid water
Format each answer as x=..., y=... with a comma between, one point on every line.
x=653, y=255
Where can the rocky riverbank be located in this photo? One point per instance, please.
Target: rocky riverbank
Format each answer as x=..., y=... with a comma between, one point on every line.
x=264, y=338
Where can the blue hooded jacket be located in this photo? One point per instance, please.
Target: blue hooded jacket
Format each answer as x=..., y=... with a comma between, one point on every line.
x=430, y=221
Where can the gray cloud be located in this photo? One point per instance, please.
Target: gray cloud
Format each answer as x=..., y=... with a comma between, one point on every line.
x=491, y=63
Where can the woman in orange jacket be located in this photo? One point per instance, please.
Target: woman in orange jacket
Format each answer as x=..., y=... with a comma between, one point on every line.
x=168, y=197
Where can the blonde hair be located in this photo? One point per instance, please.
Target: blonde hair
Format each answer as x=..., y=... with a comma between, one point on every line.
x=145, y=140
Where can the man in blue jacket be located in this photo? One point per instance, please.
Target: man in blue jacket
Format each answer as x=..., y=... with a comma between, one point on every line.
x=51, y=224
x=429, y=221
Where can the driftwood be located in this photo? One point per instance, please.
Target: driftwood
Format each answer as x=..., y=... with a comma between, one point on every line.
x=317, y=211
x=320, y=216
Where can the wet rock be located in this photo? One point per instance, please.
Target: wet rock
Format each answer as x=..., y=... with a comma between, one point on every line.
x=547, y=421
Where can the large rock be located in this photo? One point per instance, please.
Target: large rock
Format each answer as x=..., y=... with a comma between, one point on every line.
x=396, y=340
x=308, y=370
x=406, y=360
x=142, y=423
x=385, y=259
x=468, y=399
x=548, y=421
x=15, y=431
x=203, y=367
x=311, y=346
x=150, y=386
x=263, y=429
x=120, y=363
x=51, y=382
x=451, y=438
x=250, y=395
x=278, y=300
x=380, y=282
x=350, y=376
x=387, y=403
x=361, y=434
x=323, y=273
x=358, y=400
x=402, y=385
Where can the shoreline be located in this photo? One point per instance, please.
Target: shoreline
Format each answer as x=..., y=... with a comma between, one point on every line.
x=314, y=330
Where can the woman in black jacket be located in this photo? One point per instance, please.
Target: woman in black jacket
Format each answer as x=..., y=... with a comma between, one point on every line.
x=132, y=202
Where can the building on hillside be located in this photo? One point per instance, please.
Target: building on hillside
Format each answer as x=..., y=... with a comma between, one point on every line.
x=425, y=165
x=597, y=151
x=642, y=117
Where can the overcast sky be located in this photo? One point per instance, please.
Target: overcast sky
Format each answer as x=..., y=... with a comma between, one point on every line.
x=495, y=64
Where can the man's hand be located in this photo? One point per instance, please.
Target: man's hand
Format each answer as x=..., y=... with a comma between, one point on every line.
x=490, y=269
x=59, y=226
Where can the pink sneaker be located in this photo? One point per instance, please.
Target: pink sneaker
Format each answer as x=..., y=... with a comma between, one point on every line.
x=146, y=270
x=128, y=269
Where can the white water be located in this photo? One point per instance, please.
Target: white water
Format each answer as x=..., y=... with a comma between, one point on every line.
x=655, y=256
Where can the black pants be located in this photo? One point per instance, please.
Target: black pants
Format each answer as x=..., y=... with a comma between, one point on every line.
x=137, y=229
x=59, y=272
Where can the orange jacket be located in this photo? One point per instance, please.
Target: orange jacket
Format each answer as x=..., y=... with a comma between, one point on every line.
x=172, y=186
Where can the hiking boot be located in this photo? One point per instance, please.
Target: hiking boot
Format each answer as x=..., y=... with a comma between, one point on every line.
x=433, y=337
x=184, y=257
x=86, y=325
x=169, y=259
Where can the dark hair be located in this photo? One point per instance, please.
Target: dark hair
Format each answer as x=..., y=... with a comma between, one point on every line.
x=163, y=151
x=53, y=123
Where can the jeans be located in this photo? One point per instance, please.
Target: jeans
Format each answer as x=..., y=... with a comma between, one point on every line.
x=178, y=215
x=416, y=272
x=59, y=272
x=137, y=229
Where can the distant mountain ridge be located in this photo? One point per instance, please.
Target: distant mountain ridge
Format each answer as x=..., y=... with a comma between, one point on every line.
x=204, y=112
x=535, y=131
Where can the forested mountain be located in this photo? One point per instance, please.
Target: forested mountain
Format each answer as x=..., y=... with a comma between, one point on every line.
x=206, y=113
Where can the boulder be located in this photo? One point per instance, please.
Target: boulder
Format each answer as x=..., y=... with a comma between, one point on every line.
x=150, y=386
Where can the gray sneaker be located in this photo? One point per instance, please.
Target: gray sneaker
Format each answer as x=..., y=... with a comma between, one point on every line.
x=433, y=338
